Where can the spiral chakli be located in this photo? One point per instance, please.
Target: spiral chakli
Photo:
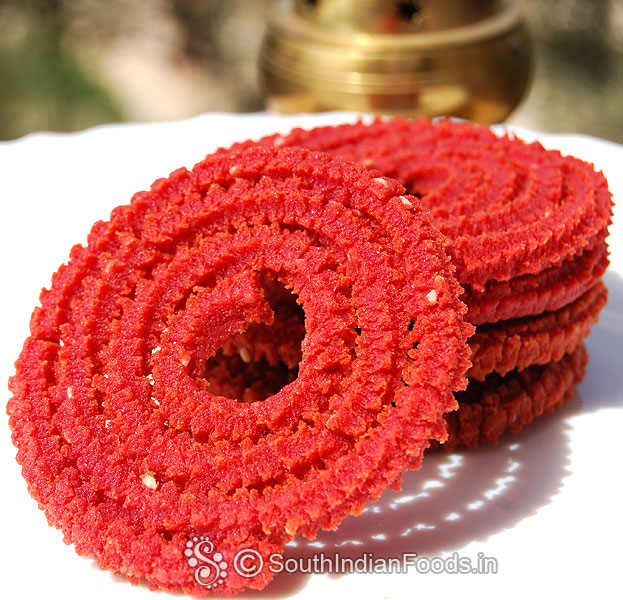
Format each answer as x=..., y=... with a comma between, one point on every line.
x=527, y=232
x=527, y=226
x=123, y=440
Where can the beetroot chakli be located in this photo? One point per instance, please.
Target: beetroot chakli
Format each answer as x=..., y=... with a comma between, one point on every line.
x=527, y=232
x=120, y=439
x=527, y=226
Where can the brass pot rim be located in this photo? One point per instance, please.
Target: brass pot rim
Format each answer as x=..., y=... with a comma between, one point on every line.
x=292, y=25
x=353, y=81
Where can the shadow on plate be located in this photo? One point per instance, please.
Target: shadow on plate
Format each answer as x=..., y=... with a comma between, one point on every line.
x=452, y=500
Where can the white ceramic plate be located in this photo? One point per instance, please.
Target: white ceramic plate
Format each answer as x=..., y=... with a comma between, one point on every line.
x=544, y=504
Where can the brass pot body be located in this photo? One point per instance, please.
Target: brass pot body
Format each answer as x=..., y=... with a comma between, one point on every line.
x=455, y=58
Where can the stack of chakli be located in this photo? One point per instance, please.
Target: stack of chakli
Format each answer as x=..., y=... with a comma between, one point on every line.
x=256, y=348
x=527, y=233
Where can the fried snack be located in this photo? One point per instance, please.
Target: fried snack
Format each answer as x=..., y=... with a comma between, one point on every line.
x=529, y=295
x=538, y=340
x=513, y=212
x=527, y=230
x=120, y=439
x=488, y=409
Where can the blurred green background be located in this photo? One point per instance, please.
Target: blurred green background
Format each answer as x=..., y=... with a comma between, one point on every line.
x=70, y=64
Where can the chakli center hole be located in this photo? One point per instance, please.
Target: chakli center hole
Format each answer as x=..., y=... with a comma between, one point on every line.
x=258, y=363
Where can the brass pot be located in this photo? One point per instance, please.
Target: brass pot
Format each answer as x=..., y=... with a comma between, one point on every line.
x=463, y=58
